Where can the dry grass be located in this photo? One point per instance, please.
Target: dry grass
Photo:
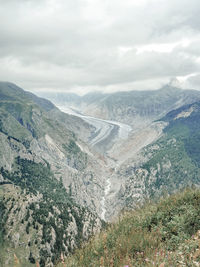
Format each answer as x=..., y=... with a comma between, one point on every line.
x=164, y=235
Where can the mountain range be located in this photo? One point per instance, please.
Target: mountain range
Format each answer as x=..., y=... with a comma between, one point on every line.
x=63, y=175
x=129, y=107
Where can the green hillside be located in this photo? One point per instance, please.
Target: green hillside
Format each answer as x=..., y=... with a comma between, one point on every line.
x=11, y=92
x=179, y=148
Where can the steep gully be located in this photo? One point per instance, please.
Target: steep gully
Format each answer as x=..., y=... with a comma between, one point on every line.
x=105, y=132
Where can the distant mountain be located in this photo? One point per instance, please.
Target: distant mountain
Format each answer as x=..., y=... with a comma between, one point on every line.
x=47, y=181
x=134, y=107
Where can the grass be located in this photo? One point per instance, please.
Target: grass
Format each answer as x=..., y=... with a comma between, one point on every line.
x=163, y=234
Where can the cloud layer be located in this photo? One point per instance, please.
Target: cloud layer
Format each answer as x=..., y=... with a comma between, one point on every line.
x=85, y=45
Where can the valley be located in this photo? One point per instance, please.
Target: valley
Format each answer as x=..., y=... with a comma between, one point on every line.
x=126, y=143
x=117, y=143
x=106, y=135
x=67, y=170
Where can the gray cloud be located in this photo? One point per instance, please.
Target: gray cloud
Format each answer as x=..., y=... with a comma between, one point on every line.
x=88, y=44
x=194, y=82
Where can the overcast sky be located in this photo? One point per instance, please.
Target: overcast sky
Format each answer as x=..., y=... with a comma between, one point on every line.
x=109, y=45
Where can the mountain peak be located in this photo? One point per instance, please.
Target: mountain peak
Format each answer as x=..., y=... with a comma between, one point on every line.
x=174, y=82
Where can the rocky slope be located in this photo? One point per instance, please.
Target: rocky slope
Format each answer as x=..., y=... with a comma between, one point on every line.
x=166, y=165
x=39, y=219
x=50, y=182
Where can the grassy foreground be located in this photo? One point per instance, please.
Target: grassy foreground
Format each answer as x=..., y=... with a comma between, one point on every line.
x=164, y=234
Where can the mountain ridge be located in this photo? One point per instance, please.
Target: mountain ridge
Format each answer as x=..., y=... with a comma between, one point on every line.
x=46, y=180
x=129, y=106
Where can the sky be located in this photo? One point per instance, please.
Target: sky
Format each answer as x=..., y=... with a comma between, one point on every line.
x=99, y=45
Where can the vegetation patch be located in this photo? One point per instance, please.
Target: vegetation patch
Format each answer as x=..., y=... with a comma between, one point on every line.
x=162, y=234
x=48, y=215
